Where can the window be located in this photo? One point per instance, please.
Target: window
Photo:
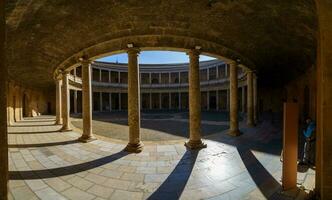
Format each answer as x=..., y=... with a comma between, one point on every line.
x=184, y=77
x=114, y=77
x=104, y=76
x=155, y=78
x=145, y=78
x=213, y=73
x=174, y=77
x=95, y=74
x=164, y=78
x=124, y=77
x=203, y=75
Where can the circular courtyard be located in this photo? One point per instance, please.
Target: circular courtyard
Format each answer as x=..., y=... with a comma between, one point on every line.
x=155, y=125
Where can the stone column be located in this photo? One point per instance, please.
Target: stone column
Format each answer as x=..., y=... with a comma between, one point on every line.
x=195, y=141
x=255, y=98
x=217, y=99
x=75, y=100
x=100, y=101
x=233, y=110
x=110, y=101
x=160, y=106
x=87, y=135
x=3, y=111
x=120, y=101
x=150, y=102
x=169, y=101
x=250, y=99
x=227, y=100
x=243, y=89
x=65, y=102
x=58, y=103
x=208, y=99
x=179, y=100
x=135, y=144
x=323, y=183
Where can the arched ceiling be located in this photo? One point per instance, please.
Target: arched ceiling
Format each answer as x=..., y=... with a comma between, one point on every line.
x=277, y=37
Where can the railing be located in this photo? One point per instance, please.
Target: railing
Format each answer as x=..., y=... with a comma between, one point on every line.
x=148, y=86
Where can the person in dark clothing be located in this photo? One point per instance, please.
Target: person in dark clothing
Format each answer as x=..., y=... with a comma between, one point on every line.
x=309, y=135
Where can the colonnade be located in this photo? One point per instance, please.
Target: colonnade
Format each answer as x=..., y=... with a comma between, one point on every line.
x=134, y=103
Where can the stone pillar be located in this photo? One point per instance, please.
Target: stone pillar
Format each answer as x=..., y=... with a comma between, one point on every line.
x=217, y=99
x=58, y=103
x=195, y=141
x=233, y=110
x=75, y=100
x=20, y=110
x=110, y=101
x=250, y=99
x=179, y=100
x=324, y=98
x=208, y=100
x=227, y=100
x=3, y=111
x=243, y=100
x=120, y=101
x=169, y=101
x=135, y=144
x=255, y=99
x=65, y=102
x=150, y=102
x=160, y=106
x=87, y=135
x=100, y=101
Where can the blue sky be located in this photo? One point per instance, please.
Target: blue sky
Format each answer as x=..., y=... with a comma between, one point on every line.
x=154, y=57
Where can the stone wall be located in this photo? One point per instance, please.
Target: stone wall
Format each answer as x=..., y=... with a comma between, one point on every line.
x=302, y=90
x=27, y=102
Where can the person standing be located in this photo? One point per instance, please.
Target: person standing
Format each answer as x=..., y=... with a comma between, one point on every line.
x=309, y=136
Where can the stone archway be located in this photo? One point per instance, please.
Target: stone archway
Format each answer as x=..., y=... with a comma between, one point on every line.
x=154, y=42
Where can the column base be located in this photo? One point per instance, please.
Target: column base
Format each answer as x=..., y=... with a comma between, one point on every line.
x=58, y=123
x=86, y=139
x=251, y=125
x=65, y=129
x=134, y=148
x=234, y=133
x=195, y=144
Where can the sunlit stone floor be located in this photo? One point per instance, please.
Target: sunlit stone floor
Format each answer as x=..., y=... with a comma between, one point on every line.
x=48, y=164
x=155, y=126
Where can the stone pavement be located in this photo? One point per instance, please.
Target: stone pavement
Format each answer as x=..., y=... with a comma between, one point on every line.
x=48, y=164
x=155, y=126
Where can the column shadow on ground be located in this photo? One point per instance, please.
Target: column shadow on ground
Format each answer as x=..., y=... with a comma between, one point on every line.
x=31, y=125
x=175, y=183
x=42, y=144
x=34, y=132
x=68, y=170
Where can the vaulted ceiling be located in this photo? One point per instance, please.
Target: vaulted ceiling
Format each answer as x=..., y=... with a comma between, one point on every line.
x=278, y=37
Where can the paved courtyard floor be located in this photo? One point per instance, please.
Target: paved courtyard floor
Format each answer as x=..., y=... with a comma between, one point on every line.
x=156, y=126
x=47, y=164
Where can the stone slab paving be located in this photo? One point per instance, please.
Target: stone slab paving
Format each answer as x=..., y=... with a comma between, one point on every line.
x=155, y=126
x=47, y=164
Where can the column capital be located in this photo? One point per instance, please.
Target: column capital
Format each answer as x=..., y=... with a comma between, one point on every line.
x=249, y=71
x=194, y=52
x=58, y=78
x=132, y=50
x=65, y=72
x=85, y=61
x=232, y=62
